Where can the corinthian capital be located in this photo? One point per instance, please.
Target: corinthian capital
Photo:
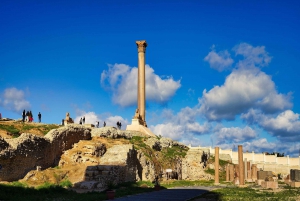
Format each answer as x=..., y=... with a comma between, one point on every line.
x=141, y=45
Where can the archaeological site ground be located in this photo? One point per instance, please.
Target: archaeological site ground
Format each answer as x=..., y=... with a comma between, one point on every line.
x=81, y=162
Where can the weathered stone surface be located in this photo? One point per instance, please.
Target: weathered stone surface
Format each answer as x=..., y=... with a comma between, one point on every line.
x=113, y=132
x=295, y=184
x=158, y=144
x=192, y=169
x=262, y=175
x=269, y=184
x=295, y=175
x=28, y=151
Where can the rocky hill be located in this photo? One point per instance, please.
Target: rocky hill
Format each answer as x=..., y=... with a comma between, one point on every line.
x=90, y=157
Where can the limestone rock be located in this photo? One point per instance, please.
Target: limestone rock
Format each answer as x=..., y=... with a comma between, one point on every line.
x=28, y=151
x=113, y=132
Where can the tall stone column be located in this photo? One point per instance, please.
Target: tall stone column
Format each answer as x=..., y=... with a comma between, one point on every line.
x=217, y=165
x=231, y=172
x=141, y=97
x=241, y=166
x=227, y=172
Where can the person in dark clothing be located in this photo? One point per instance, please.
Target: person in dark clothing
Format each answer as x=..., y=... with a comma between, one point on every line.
x=23, y=115
x=80, y=122
x=83, y=120
x=40, y=117
x=104, y=124
x=120, y=125
x=27, y=116
x=97, y=124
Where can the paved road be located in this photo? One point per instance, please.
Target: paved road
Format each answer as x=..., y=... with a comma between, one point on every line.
x=173, y=194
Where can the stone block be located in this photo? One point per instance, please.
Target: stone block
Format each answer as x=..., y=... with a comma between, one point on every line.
x=259, y=181
x=105, y=172
x=91, y=168
x=294, y=184
x=264, y=174
x=295, y=175
x=269, y=184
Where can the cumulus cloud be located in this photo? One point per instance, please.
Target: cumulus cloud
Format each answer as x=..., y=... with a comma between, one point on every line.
x=234, y=135
x=246, y=87
x=91, y=118
x=121, y=80
x=253, y=56
x=14, y=99
x=177, y=126
x=219, y=60
x=285, y=126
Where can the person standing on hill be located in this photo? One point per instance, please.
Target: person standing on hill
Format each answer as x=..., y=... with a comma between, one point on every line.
x=83, y=120
x=23, y=116
x=27, y=116
x=40, y=117
x=104, y=124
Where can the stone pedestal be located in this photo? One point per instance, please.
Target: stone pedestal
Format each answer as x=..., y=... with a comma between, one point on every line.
x=294, y=184
x=269, y=184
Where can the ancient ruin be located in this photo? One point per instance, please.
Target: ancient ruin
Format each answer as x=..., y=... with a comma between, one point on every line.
x=139, y=118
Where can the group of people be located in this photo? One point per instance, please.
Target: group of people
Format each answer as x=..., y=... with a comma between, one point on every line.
x=119, y=125
x=28, y=117
x=82, y=120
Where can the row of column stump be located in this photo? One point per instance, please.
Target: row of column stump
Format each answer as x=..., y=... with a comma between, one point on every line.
x=245, y=171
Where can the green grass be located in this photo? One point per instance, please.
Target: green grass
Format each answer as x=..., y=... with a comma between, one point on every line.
x=17, y=191
x=16, y=132
x=10, y=129
x=176, y=183
x=248, y=194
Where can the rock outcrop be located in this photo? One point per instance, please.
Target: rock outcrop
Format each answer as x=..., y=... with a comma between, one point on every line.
x=20, y=155
x=192, y=168
x=113, y=132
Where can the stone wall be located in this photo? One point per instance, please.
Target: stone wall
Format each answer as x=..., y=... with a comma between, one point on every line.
x=192, y=168
x=20, y=155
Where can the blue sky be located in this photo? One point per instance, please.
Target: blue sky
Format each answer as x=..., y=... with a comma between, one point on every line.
x=219, y=73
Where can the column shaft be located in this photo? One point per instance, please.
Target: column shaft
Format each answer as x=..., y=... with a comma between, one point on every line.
x=141, y=86
x=241, y=165
x=217, y=165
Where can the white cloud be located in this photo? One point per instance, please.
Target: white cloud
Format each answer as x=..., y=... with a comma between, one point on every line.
x=121, y=79
x=219, y=60
x=179, y=126
x=285, y=126
x=14, y=99
x=92, y=117
x=234, y=135
x=253, y=56
x=246, y=87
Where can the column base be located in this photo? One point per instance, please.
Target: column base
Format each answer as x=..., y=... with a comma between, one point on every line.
x=136, y=126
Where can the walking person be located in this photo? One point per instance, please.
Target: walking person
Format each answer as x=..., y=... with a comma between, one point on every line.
x=23, y=116
x=40, y=117
x=83, y=120
x=104, y=124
